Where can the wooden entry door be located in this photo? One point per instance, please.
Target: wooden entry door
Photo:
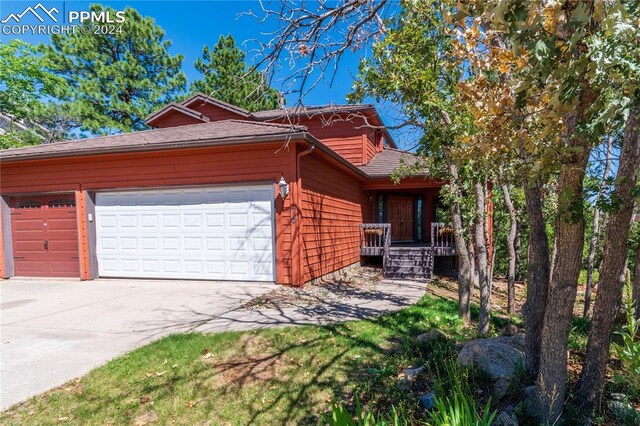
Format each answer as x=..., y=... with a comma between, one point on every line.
x=45, y=236
x=400, y=217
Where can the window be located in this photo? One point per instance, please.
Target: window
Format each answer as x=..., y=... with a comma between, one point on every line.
x=62, y=203
x=28, y=204
x=380, y=208
x=419, y=210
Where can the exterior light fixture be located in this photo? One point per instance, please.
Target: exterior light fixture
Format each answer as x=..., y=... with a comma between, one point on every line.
x=284, y=188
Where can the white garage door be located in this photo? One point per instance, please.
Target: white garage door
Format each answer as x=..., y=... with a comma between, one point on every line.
x=194, y=233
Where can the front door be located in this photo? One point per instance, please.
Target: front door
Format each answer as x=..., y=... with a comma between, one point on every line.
x=401, y=217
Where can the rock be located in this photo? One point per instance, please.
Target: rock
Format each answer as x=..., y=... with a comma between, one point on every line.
x=617, y=396
x=407, y=377
x=428, y=400
x=404, y=385
x=146, y=418
x=529, y=400
x=516, y=341
x=431, y=336
x=498, y=359
x=411, y=373
x=507, y=417
x=509, y=330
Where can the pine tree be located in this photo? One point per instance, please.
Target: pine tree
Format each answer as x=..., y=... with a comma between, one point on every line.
x=227, y=77
x=116, y=80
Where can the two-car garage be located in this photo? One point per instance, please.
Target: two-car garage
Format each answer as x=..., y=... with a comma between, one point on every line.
x=213, y=233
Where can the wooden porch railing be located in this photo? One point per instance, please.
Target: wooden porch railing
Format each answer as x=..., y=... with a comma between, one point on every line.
x=442, y=238
x=375, y=239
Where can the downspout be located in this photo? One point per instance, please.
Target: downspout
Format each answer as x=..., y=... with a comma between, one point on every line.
x=296, y=223
x=299, y=156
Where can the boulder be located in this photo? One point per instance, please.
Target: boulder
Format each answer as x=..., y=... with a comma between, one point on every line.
x=516, y=341
x=506, y=417
x=497, y=358
x=530, y=400
x=431, y=336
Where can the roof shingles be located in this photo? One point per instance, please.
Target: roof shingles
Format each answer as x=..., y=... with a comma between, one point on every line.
x=385, y=162
x=202, y=134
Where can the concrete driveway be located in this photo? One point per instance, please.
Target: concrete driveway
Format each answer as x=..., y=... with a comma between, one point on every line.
x=54, y=330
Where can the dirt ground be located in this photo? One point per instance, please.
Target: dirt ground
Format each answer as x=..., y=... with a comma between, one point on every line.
x=351, y=282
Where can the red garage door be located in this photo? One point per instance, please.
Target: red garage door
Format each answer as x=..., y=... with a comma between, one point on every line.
x=45, y=236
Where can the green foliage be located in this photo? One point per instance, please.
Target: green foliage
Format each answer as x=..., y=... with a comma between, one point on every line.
x=628, y=350
x=24, y=79
x=341, y=417
x=227, y=77
x=19, y=138
x=460, y=410
x=116, y=80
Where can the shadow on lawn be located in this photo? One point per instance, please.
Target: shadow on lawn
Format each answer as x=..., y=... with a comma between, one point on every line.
x=302, y=376
x=274, y=376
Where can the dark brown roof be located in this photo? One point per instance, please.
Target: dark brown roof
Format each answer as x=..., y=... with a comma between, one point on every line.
x=385, y=162
x=311, y=111
x=177, y=107
x=226, y=132
x=213, y=101
x=325, y=111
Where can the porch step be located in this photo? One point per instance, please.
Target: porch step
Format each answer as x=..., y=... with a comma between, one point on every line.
x=409, y=262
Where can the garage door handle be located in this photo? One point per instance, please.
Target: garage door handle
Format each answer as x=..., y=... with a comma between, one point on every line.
x=46, y=244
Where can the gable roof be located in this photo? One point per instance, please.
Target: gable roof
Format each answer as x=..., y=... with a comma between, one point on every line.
x=311, y=111
x=201, y=97
x=385, y=162
x=219, y=133
x=178, y=108
x=325, y=111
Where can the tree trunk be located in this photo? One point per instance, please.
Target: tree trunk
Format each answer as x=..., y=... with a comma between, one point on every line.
x=481, y=260
x=595, y=237
x=511, y=249
x=465, y=268
x=566, y=262
x=635, y=294
x=537, y=278
x=517, y=247
x=612, y=270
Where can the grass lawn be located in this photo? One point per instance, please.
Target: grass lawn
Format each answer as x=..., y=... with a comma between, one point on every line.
x=290, y=375
x=275, y=376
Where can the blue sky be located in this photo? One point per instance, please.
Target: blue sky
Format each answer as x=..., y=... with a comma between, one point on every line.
x=192, y=24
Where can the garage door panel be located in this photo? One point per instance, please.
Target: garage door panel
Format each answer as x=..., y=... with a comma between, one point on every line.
x=44, y=234
x=205, y=233
x=31, y=267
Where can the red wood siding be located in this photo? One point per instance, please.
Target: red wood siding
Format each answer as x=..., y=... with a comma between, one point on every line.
x=333, y=208
x=175, y=118
x=351, y=138
x=215, y=113
x=200, y=166
x=374, y=144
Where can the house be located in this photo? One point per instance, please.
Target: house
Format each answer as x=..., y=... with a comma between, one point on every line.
x=216, y=192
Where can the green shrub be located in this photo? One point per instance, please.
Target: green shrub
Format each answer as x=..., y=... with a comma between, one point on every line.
x=628, y=350
x=340, y=416
x=460, y=411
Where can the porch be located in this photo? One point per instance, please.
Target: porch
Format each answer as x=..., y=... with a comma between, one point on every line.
x=406, y=259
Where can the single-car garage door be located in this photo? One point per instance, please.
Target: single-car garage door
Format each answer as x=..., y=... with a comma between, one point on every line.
x=45, y=236
x=219, y=233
